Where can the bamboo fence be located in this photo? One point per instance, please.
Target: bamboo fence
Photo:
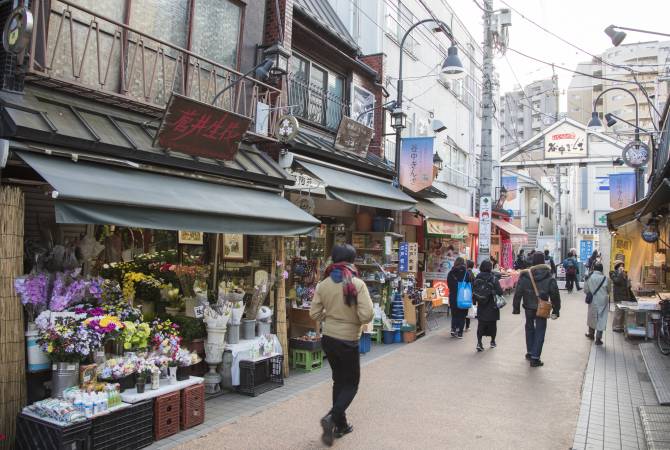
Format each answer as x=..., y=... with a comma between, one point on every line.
x=12, y=345
x=282, y=331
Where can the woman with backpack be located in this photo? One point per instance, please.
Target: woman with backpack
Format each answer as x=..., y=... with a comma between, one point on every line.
x=484, y=290
x=597, y=290
x=457, y=274
x=571, y=269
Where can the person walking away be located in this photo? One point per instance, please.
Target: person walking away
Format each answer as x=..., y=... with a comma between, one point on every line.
x=520, y=262
x=549, y=260
x=470, y=265
x=594, y=258
x=536, y=282
x=529, y=258
x=570, y=265
x=621, y=292
x=484, y=290
x=342, y=301
x=596, y=284
x=494, y=263
x=457, y=274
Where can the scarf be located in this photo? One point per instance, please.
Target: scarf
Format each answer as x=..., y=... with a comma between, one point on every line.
x=344, y=272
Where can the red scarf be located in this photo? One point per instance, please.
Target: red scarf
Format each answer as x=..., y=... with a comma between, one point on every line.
x=344, y=272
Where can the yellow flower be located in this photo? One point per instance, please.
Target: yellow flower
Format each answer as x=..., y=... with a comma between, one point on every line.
x=50, y=348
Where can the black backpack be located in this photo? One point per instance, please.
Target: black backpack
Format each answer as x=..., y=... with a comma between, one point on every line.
x=482, y=290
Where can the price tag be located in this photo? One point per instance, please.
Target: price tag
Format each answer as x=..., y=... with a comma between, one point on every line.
x=199, y=312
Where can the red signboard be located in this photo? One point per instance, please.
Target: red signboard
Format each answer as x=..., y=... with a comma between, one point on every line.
x=199, y=129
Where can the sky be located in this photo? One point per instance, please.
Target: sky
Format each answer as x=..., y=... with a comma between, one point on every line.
x=580, y=22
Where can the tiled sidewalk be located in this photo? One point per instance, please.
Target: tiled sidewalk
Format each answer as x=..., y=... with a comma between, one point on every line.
x=615, y=384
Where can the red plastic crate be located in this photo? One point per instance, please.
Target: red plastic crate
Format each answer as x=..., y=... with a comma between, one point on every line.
x=166, y=415
x=192, y=406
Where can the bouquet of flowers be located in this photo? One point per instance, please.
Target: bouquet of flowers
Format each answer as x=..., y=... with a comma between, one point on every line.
x=33, y=292
x=185, y=358
x=68, y=339
x=68, y=289
x=117, y=368
x=145, y=287
x=166, y=339
x=105, y=325
x=135, y=335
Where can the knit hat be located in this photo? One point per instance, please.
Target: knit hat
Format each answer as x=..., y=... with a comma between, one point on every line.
x=618, y=263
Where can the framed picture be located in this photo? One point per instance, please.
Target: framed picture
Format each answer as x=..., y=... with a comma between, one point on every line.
x=234, y=247
x=191, y=237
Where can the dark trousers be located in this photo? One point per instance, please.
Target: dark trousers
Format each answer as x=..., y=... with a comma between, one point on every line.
x=536, y=328
x=344, y=360
x=458, y=317
x=486, y=328
x=571, y=280
x=467, y=323
x=598, y=334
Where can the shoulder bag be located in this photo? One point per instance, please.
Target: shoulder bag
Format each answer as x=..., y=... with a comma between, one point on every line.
x=589, y=295
x=543, y=306
x=464, y=294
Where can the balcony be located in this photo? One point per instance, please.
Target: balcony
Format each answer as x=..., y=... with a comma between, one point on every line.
x=77, y=50
x=314, y=104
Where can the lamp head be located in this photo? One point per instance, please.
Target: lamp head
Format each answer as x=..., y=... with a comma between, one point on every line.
x=617, y=37
x=263, y=71
x=452, y=67
x=610, y=120
x=438, y=126
x=594, y=124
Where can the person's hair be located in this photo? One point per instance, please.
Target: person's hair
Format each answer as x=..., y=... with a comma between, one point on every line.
x=538, y=258
x=459, y=261
x=486, y=266
x=546, y=252
x=598, y=266
x=470, y=264
x=521, y=252
x=344, y=253
x=493, y=260
x=450, y=247
x=594, y=254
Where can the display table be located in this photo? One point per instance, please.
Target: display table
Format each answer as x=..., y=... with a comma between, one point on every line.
x=242, y=351
x=131, y=395
x=508, y=282
x=638, y=314
x=29, y=413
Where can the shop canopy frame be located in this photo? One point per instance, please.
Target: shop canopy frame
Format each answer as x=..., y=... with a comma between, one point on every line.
x=440, y=222
x=359, y=189
x=516, y=234
x=88, y=192
x=622, y=216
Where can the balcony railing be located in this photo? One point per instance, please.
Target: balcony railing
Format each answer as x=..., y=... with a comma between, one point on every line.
x=315, y=104
x=78, y=50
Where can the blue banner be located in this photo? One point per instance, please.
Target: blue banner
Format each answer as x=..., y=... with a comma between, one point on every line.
x=403, y=257
x=622, y=189
x=585, y=250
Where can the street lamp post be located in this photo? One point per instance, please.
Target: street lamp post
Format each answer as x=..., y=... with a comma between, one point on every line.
x=452, y=67
x=617, y=37
x=596, y=124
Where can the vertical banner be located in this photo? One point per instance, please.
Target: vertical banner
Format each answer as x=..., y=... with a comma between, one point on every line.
x=403, y=257
x=585, y=250
x=511, y=185
x=621, y=251
x=416, y=163
x=413, y=257
x=484, y=228
x=622, y=189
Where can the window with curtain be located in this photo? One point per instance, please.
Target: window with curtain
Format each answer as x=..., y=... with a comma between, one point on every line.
x=216, y=30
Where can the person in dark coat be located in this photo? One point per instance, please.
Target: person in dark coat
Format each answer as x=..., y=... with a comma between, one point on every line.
x=550, y=262
x=520, y=262
x=594, y=258
x=571, y=266
x=547, y=288
x=457, y=274
x=487, y=310
x=621, y=292
x=469, y=264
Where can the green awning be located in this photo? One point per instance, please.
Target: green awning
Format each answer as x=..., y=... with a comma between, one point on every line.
x=88, y=192
x=360, y=189
x=657, y=199
x=624, y=215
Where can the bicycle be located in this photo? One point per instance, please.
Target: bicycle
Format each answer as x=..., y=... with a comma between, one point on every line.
x=664, y=329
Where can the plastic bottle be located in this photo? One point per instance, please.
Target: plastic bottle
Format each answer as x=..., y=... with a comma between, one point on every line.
x=79, y=403
x=88, y=406
x=102, y=398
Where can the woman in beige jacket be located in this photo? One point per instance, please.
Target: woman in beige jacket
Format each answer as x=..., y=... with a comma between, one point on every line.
x=342, y=301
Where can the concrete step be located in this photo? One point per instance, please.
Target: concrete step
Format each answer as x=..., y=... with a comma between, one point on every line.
x=658, y=368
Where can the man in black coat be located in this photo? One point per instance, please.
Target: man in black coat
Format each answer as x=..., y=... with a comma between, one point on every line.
x=457, y=274
x=547, y=288
x=485, y=288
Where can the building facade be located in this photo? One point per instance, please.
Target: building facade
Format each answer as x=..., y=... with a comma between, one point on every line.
x=527, y=111
x=650, y=62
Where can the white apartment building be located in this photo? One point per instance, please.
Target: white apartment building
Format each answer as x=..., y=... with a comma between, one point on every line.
x=651, y=63
x=378, y=27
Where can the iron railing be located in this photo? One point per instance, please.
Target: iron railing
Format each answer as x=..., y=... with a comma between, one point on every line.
x=80, y=51
x=315, y=104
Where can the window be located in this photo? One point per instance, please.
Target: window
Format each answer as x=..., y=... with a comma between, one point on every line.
x=316, y=94
x=216, y=30
x=456, y=164
x=398, y=21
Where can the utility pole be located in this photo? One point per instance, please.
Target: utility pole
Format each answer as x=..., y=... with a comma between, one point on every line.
x=486, y=162
x=558, y=214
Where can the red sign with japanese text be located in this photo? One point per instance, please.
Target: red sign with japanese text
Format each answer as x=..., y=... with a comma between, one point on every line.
x=199, y=129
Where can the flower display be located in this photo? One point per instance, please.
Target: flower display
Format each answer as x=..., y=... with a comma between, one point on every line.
x=68, y=289
x=117, y=368
x=135, y=335
x=166, y=339
x=106, y=325
x=33, y=292
x=136, y=284
x=186, y=358
x=68, y=339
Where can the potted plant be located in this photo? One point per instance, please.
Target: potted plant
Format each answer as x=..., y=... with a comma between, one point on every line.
x=174, y=301
x=142, y=376
x=135, y=336
x=173, y=365
x=119, y=370
x=185, y=361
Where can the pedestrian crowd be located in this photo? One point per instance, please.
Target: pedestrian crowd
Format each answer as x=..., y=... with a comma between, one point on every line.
x=343, y=304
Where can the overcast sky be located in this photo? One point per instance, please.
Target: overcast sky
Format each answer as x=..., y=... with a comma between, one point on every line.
x=578, y=21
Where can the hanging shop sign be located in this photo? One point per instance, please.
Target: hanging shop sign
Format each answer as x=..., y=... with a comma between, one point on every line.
x=565, y=141
x=511, y=201
x=287, y=128
x=621, y=251
x=403, y=257
x=600, y=217
x=18, y=30
x=306, y=203
x=416, y=163
x=353, y=137
x=440, y=227
x=413, y=257
x=199, y=129
x=635, y=154
x=650, y=233
x=190, y=237
x=622, y=189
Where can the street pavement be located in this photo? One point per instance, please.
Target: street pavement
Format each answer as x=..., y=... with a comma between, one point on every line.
x=440, y=393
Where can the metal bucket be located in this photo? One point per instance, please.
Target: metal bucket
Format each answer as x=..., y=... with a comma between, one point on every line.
x=263, y=328
x=233, y=334
x=63, y=376
x=248, y=328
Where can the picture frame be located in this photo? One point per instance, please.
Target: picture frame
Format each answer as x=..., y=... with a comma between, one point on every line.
x=234, y=247
x=191, y=237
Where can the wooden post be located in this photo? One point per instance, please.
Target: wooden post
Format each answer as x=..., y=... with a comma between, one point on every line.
x=12, y=343
x=282, y=331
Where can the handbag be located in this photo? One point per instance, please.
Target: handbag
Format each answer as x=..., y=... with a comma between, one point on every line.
x=543, y=306
x=464, y=294
x=472, y=312
x=500, y=301
x=589, y=295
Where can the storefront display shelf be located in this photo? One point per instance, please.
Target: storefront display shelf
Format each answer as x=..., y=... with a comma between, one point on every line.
x=127, y=429
x=261, y=375
x=33, y=433
x=131, y=395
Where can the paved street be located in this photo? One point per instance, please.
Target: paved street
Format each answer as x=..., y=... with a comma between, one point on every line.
x=439, y=392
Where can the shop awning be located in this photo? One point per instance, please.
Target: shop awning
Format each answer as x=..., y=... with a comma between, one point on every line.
x=473, y=223
x=359, y=189
x=660, y=197
x=88, y=192
x=441, y=222
x=516, y=234
x=624, y=215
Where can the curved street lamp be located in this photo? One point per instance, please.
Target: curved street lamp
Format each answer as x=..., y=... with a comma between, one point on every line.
x=617, y=37
x=452, y=67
